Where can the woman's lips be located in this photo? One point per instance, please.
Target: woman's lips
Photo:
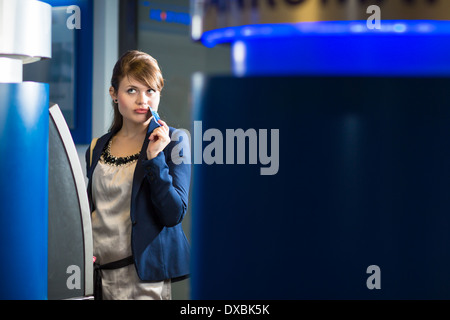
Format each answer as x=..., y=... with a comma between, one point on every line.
x=141, y=110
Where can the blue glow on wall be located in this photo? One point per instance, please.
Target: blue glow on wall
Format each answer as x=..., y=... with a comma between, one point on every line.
x=400, y=47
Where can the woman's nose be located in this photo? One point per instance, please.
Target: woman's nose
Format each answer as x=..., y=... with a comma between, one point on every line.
x=141, y=98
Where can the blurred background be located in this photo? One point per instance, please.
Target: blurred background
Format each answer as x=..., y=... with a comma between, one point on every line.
x=364, y=127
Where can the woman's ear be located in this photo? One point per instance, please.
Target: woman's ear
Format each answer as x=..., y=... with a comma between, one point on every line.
x=113, y=94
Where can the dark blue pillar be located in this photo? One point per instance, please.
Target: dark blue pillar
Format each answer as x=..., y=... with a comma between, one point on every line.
x=363, y=164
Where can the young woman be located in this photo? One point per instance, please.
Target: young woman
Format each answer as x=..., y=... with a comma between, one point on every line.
x=138, y=194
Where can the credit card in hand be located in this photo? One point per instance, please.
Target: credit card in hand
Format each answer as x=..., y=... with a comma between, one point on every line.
x=154, y=121
x=155, y=115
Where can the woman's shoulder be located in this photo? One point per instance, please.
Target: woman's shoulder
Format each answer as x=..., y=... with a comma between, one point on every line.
x=105, y=138
x=98, y=142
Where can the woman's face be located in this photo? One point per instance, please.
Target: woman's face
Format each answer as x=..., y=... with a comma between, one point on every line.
x=135, y=99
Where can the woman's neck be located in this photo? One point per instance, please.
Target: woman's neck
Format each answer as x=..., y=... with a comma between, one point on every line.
x=131, y=131
x=128, y=140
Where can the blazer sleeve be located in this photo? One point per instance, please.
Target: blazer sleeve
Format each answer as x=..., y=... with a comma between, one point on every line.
x=169, y=176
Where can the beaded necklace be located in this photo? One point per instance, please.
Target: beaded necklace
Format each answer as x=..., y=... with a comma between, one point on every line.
x=117, y=161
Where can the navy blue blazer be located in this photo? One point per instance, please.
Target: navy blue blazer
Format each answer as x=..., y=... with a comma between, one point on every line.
x=159, y=201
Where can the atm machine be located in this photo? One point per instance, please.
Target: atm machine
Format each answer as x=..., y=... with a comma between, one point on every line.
x=70, y=264
x=46, y=237
x=322, y=164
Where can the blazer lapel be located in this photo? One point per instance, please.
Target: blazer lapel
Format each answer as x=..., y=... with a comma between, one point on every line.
x=139, y=172
x=98, y=152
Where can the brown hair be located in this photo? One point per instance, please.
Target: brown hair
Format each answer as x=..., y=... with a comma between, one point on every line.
x=140, y=66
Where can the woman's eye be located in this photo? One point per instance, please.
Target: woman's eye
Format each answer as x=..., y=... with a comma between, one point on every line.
x=131, y=91
x=151, y=91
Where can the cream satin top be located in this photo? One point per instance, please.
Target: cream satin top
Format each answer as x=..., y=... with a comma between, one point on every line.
x=111, y=227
